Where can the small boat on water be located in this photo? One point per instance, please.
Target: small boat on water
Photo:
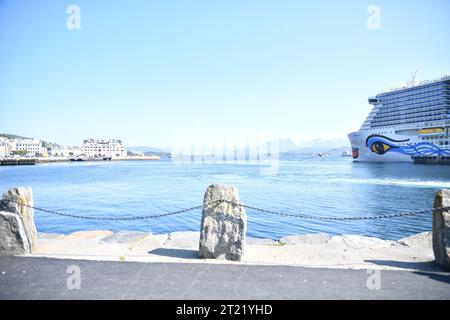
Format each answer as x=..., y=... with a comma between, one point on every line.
x=81, y=157
x=346, y=154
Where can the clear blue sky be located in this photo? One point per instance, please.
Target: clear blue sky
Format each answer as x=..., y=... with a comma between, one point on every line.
x=138, y=70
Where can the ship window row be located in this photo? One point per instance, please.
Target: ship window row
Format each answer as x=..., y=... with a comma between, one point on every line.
x=376, y=123
x=414, y=102
x=443, y=115
x=442, y=143
x=441, y=91
x=414, y=119
x=426, y=107
x=416, y=105
x=435, y=137
x=436, y=141
x=387, y=105
x=403, y=113
x=412, y=90
x=437, y=98
x=395, y=123
x=409, y=112
x=422, y=123
x=423, y=106
x=416, y=96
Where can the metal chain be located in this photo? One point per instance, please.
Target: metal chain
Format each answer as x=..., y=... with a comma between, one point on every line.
x=123, y=218
x=278, y=213
x=335, y=218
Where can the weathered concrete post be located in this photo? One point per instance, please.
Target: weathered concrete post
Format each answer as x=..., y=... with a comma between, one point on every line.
x=223, y=227
x=17, y=228
x=441, y=230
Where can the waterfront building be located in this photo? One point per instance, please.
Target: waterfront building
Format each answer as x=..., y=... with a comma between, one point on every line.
x=64, y=151
x=406, y=124
x=5, y=147
x=31, y=146
x=103, y=148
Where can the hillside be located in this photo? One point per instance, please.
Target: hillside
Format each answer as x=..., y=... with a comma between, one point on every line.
x=11, y=136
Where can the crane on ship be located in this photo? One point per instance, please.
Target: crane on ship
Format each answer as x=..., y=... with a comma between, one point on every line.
x=412, y=82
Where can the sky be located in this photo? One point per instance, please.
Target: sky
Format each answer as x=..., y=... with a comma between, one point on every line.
x=148, y=71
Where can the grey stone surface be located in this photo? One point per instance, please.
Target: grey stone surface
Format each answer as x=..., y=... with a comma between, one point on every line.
x=362, y=242
x=423, y=239
x=259, y=241
x=13, y=239
x=49, y=236
x=125, y=237
x=441, y=230
x=182, y=239
x=223, y=226
x=315, y=238
x=19, y=201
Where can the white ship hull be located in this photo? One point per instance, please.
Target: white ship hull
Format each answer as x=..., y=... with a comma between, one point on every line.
x=388, y=146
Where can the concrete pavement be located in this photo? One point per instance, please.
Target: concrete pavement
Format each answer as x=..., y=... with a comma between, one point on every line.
x=46, y=278
x=414, y=253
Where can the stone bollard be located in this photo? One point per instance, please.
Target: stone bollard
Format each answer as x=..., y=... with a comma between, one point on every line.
x=441, y=230
x=223, y=227
x=17, y=229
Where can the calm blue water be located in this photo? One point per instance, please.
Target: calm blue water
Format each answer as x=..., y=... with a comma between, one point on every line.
x=316, y=187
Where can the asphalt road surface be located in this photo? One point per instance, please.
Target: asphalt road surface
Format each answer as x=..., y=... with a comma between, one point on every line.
x=45, y=278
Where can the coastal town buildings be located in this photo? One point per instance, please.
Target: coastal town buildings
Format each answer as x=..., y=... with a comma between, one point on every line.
x=31, y=147
x=64, y=151
x=103, y=148
x=5, y=147
x=91, y=148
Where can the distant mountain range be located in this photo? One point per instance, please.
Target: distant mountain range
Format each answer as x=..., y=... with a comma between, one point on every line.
x=319, y=145
x=285, y=146
x=145, y=149
x=148, y=151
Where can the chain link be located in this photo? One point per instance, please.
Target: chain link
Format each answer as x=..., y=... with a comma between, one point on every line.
x=123, y=218
x=278, y=213
x=336, y=218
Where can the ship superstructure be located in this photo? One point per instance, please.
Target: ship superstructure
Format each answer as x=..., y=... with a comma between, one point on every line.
x=406, y=124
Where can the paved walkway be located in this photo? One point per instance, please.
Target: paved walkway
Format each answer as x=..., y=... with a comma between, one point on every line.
x=45, y=278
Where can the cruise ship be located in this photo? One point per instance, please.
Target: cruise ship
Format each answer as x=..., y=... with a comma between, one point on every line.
x=406, y=124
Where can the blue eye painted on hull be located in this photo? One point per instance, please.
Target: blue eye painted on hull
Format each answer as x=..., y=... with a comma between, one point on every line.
x=380, y=144
x=381, y=147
